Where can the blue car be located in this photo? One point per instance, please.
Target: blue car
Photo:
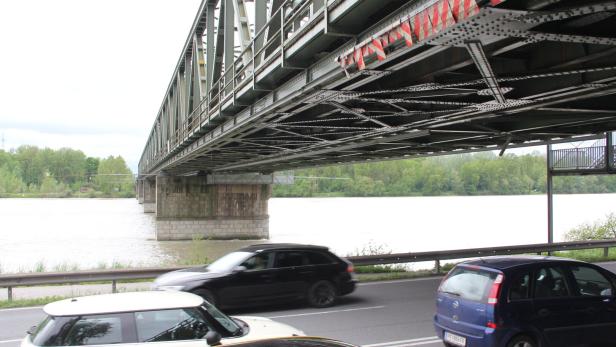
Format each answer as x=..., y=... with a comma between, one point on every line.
x=527, y=301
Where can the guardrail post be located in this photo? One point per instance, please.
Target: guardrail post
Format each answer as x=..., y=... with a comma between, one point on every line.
x=9, y=290
x=437, y=266
x=114, y=287
x=606, y=252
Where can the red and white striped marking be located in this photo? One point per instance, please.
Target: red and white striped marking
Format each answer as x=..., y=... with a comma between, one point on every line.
x=441, y=16
x=405, y=30
x=463, y=9
x=378, y=48
x=422, y=25
x=432, y=20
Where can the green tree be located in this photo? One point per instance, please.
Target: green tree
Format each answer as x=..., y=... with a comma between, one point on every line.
x=114, y=175
x=32, y=168
x=67, y=165
x=91, y=168
x=49, y=186
x=10, y=182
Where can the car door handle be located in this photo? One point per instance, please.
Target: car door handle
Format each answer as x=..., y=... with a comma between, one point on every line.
x=544, y=312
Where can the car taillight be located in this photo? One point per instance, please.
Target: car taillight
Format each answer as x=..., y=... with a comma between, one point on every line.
x=491, y=325
x=350, y=268
x=495, y=290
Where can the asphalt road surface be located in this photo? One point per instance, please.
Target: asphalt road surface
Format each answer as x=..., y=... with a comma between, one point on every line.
x=379, y=314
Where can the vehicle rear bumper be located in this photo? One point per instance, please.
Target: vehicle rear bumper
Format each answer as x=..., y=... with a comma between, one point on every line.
x=347, y=287
x=490, y=337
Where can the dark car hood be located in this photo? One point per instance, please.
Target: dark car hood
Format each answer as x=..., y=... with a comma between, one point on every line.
x=186, y=275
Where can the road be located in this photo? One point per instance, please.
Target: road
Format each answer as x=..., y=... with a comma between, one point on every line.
x=397, y=313
x=378, y=314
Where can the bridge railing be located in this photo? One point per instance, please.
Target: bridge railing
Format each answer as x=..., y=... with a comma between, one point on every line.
x=586, y=158
x=10, y=281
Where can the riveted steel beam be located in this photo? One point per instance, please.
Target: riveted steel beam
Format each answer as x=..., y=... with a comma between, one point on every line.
x=475, y=49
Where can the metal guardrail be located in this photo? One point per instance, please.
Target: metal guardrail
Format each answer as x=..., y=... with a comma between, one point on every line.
x=587, y=158
x=10, y=281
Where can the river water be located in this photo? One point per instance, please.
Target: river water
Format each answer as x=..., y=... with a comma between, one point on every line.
x=64, y=234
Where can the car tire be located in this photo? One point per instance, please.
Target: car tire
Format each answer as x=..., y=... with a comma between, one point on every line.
x=522, y=341
x=207, y=295
x=322, y=294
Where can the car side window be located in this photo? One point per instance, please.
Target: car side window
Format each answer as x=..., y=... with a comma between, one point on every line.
x=95, y=330
x=260, y=261
x=591, y=282
x=317, y=258
x=290, y=259
x=519, y=287
x=170, y=325
x=550, y=282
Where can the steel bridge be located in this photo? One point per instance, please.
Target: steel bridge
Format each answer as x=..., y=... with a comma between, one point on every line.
x=277, y=84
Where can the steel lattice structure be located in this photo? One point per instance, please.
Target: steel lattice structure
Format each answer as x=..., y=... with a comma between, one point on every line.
x=319, y=82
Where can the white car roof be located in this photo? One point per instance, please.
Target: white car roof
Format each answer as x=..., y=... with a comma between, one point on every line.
x=122, y=302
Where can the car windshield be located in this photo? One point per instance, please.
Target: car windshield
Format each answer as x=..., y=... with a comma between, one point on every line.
x=228, y=262
x=224, y=320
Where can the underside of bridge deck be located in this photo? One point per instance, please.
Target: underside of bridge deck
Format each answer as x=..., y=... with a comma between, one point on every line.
x=354, y=81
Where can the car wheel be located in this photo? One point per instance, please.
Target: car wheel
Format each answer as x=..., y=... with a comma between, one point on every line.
x=322, y=294
x=522, y=341
x=207, y=295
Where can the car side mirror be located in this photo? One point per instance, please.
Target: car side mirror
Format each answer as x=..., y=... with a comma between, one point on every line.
x=212, y=338
x=239, y=269
x=31, y=330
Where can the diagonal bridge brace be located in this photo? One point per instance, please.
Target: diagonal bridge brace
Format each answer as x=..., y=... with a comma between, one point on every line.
x=358, y=114
x=475, y=49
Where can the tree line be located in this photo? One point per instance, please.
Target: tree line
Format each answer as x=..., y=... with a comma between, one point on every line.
x=32, y=171
x=466, y=174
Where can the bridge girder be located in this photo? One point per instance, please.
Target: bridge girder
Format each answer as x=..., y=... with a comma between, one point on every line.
x=320, y=84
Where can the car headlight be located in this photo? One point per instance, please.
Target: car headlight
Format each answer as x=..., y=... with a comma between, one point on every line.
x=170, y=287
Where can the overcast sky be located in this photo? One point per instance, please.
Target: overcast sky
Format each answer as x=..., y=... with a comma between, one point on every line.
x=87, y=74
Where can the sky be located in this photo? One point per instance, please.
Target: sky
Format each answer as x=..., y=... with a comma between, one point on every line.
x=87, y=74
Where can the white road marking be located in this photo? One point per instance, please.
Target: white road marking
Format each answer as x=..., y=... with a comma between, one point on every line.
x=428, y=342
x=411, y=342
x=399, y=281
x=21, y=309
x=327, y=312
x=9, y=341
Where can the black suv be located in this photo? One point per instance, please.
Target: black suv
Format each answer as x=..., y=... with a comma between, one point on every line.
x=267, y=273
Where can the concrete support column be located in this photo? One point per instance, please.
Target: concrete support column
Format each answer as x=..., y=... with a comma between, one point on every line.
x=189, y=207
x=140, y=191
x=149, y=195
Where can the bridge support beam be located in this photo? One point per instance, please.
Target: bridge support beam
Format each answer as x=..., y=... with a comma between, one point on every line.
x=149, y=195
x=189, y=207
x=140, y=190
x=549, y=184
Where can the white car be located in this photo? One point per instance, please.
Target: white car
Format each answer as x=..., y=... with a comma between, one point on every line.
x=174, y=319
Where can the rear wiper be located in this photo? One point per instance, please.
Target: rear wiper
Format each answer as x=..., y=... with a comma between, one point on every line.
x=452, y=293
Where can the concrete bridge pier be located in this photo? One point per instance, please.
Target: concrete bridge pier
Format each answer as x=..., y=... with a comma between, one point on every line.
x=149, y=195
x=212, y=206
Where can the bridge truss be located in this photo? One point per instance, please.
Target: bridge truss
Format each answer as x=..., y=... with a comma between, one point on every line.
x=319, y=82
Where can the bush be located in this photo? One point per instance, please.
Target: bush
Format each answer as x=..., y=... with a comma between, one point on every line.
x=605, y=229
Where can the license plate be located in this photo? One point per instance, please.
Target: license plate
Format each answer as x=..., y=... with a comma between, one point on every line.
x=455, y=339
